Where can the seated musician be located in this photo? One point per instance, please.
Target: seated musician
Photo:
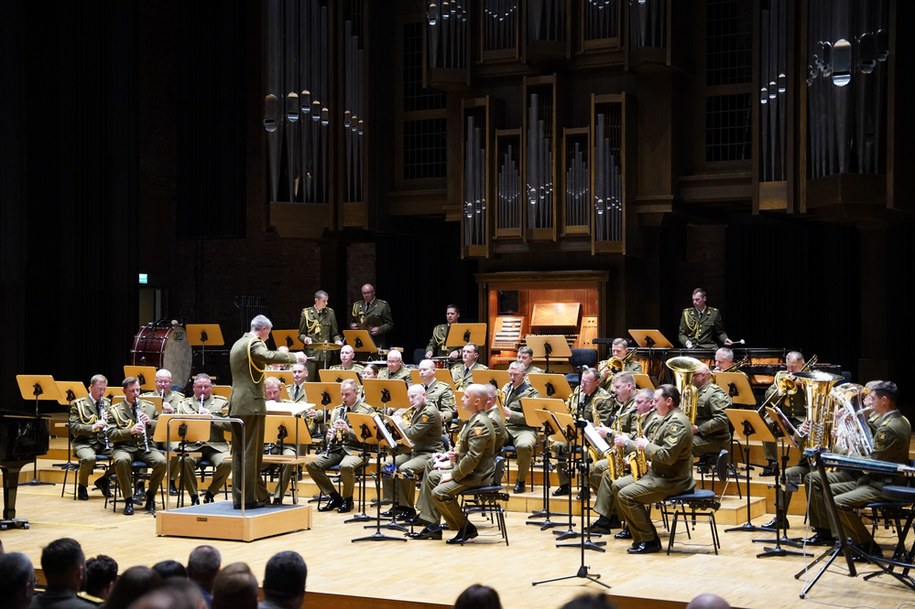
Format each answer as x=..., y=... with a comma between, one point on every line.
x=617, y=362
x=318, y=324
x=712, y=429
x=130, y=430
x=589, y=402
x=526, y=357
x=472, y=465
x=792, y=400
x=724, y=359
x=422, y=424
x=272, y=391
x=892, y=434
x=87, y=422
x=670, y=456
x=438, y=393
x=495, y=415
x=395, y=368
x=347, y=361
x=701, y=326
x=343, y=449
x=436, y=346
x=463, y=373
x=215, y=449
x=518, y=433
x=164, y=390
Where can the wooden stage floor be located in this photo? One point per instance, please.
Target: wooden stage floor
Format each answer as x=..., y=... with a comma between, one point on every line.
x=346, y=575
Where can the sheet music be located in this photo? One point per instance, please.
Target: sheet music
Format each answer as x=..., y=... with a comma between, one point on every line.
x=383, y=430
x=400, y=431
x=594, y=439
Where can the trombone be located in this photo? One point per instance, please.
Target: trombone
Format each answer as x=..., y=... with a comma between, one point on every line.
x=787, y=386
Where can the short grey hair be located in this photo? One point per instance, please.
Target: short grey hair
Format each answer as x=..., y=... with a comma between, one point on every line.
x=260, y=322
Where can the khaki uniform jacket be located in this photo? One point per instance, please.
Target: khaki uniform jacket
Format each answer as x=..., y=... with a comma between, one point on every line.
x=708, y=328
x=891, y=443
x=498, y=426
x=463, y=376
x=302, y=398
x=123, y=418
x=516, y=421
x=711, y=416
x=670, y=449
x=425, y=430
x=248, y=375
x=583, y=406
x=794, y=406
x=217, y=405
x=171, y=398
x=320, y=327
x=437, y=342
x=352, y=443
x=439, y=393
x=630, y=366
x=357, y=368
x=377, y=313
x=83, y=415
x=403, y=374
x=476, y=455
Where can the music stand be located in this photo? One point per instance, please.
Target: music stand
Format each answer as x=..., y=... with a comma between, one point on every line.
x=736, y=385
x=284, y=426
x=287, y=338
x=581, y=430
x=372, y=431
x=324, y=396
x=222, y=391
x=400, y=436
x=496, y=378
x=145, y=374
x=652, y=339
x=201, y=335
x=386, y=393
x=459, y=334
x=548, y=346
x=746, y=423
x=38, y=387
x=69, y=391
x=360, y=340
x=324, y=348
x=551, y=385
x=533, y=409
x=642, y=380
x=195, y=428
x=338, y=376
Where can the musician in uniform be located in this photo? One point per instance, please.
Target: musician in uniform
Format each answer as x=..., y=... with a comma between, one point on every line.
x=272, y=389
x=518, y=433
x=617, y=362
x=589, y=402
x=724, y=359
x=526, y=357
x=395, y=368
x=87, y=423
x=436, y=346
x=215, y=449
x=343, y=449
x=164, y=390
x=423, y=427
x=496, y=415
x=669, y=451
x=701, y=326
x=347, y=361
x=248, y=360
x=712, y=431
x=438, y=393
x=794, y=405
x=473, y=465
x=372, y=314
x=130, y=430
x=318, y=324
x=850, y=490
x=463, y=373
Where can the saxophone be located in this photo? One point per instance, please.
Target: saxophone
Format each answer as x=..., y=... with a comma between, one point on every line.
x=638, y=464
x=616, y=456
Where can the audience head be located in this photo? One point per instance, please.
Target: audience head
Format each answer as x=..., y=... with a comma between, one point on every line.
x=203, y=565
x=170, y=568
x=131, y=585
x=284, y=579
x=708, y=601
x=174, y=593
x=235, y=587
x=589, y=601
x=478, y=596
x=101, y=573
x=17, y=579
x=64, y=564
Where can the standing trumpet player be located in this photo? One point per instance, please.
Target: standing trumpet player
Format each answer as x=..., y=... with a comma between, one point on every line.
x=87, y=422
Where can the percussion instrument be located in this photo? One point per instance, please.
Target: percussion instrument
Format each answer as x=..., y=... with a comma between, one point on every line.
x=324, y=346
x=441, y=362
x=163, y=345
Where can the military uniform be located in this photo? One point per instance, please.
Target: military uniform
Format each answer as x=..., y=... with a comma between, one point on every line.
x=604, y=504
x=437, y=342
x=346, y=454
x=532, y=369
x=357, y=368
x=705, y=330
x=498, y=426
x=519, y=434
x=86, y=443
x=607, y=382
x=402, y=374
x=172, y=398
x=474, y=467
x=320, y=327
x=851, y=490
x=714, y=433
x=215, y=449
x=794, y=407
x=127, y=448
x=425, y=432
x=669, y=452
x=582, y=406
x=440, y=394
x=376, y=313
x=463, y=376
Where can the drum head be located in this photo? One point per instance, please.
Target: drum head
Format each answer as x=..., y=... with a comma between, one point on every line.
x=164, y=347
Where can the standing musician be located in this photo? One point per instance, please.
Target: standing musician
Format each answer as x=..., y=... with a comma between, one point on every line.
x=87, y=422
x=347, y=361
x=472, y=465
x=786, y=390
x=892, y=434
x=518, y=433
x=617, y=362
x=423, y=427
x=395, y=368
x=130, y=430
x=438, y=393
x=436, y=346
x=215, y=449
x=463, y=373
x=163, y=390
x=712, y=431
x=248, y=360
x=701, y=326
x=592, y=403
x=318, y=324
x=526, y=357
x=343, y=449
x=670, y=455
x=372, y=314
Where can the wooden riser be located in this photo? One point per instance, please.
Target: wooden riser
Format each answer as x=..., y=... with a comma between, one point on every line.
x=220, y=521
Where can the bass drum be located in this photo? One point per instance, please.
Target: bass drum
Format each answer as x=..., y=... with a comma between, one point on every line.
x=163, y=346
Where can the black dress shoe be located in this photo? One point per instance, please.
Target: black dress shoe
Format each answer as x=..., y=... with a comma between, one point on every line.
x=128, y=507
x=389, y=513
x=335, y=502
x=615, y=522
x=822, y=537
x=405, y=514
x=346, y=507
x=646, y=547
x=103, y=485
x=195, y=500
x=172, y=491
x=584, y=494
x=624, y=534
x=249, y=506
x=81, y=493
x=150, y=506
x=208, y=497
x=415, y=519
x=777, y=523
x=519, y=487
x=465, y=533
x=562, y=490
x=429, y=532
x=601, y=526
x=277, y=501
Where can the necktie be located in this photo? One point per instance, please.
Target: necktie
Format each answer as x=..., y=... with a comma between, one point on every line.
x=295, y=394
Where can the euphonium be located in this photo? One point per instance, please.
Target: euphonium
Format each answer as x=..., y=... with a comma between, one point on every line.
x=853, y=435
x=683, y=368
x=820, y=406
x=615, y=364
x=638, y=464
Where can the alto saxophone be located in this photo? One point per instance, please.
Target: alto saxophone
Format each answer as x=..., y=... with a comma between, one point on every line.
x=638, y=464
x=616, y=456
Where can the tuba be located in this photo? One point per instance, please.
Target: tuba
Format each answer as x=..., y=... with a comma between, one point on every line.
x=820, y=406
x=683, y=368
x=853, y=435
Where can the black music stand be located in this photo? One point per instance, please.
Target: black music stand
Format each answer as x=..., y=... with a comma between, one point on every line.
x=541, y=409
x=547, y=346
x=201, y=335
x=574, y=434
x=38, y=387
x=748, y=423
x=373, y=431
x=401, y=438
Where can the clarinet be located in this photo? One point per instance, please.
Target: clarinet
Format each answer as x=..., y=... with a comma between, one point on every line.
x=103, y=416
x=137, y=414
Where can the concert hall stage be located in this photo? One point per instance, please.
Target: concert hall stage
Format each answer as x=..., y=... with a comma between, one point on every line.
x=431, y=574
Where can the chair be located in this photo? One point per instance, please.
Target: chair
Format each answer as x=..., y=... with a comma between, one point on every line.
x=697, y=503
x=488, y=499
x=708, y=464
x=102, y=462
x=206, y=466
x=138, y=471
x=580, y=358
x=903, y=495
